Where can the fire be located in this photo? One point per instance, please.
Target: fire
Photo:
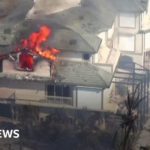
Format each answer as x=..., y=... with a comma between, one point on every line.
x=33, y=46
x=35, y=41
x=26, y=61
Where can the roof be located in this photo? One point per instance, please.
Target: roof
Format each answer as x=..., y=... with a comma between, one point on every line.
x=5, y=39
x=67, y=40
x=70, y=73
x=84, y=18
x=87, y=18
x=62, y=38
x=82, y=74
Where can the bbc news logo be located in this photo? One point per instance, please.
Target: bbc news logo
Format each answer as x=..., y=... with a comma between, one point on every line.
x=9, y=134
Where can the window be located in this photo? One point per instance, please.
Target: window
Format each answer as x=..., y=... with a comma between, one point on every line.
x=59, y=94
x=127, y=43
x=59, y=90
x=127, y=20
x=147, y=41
x=86, y=56
x=50, y=90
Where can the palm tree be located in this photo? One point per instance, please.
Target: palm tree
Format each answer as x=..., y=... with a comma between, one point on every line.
x=128, y=125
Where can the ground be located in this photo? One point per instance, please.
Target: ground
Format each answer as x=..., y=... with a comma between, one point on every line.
x=144, y=137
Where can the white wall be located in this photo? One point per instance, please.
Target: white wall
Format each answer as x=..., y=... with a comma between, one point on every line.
x=127, y=20
x=147, y=41
x=74, y=56
x=111, y=32
x=102, y=36
x=139, y=43
x=129, y=26
x=128, y=23
x=145, y=18
x=42, y=69
x=89, y=98
x=127, y=39
x=127, y=43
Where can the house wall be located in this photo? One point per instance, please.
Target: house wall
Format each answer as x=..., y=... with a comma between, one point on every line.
x=83, y=97
x=24, y=90
x=109, y=105
x=128, y=23
x=71, y=56
x=128, y=39
x=41, y=69
x=89, y=98
x=146, y=40
x=138, y=53
x=111, y=32
x=129, y=27
x=136, y=47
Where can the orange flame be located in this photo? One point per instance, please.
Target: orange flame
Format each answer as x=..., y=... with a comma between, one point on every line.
x=35, y=41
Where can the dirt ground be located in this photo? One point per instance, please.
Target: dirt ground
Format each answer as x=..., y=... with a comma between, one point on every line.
x=143, y=141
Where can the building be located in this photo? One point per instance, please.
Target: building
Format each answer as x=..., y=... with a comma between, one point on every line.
x=90, y=39
x=126, y=37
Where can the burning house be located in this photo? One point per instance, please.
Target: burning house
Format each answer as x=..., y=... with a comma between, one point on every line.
x=68, y=58
x=48, y=76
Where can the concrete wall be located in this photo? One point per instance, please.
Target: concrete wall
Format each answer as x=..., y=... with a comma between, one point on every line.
x=41, y=69
x=71, y=56
x=146, y=39
x=138, y=43
x=109, y=105
x=26, y=90
x=137, y=53
x=127, y=29
x=83, y=97
x=89, y=98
